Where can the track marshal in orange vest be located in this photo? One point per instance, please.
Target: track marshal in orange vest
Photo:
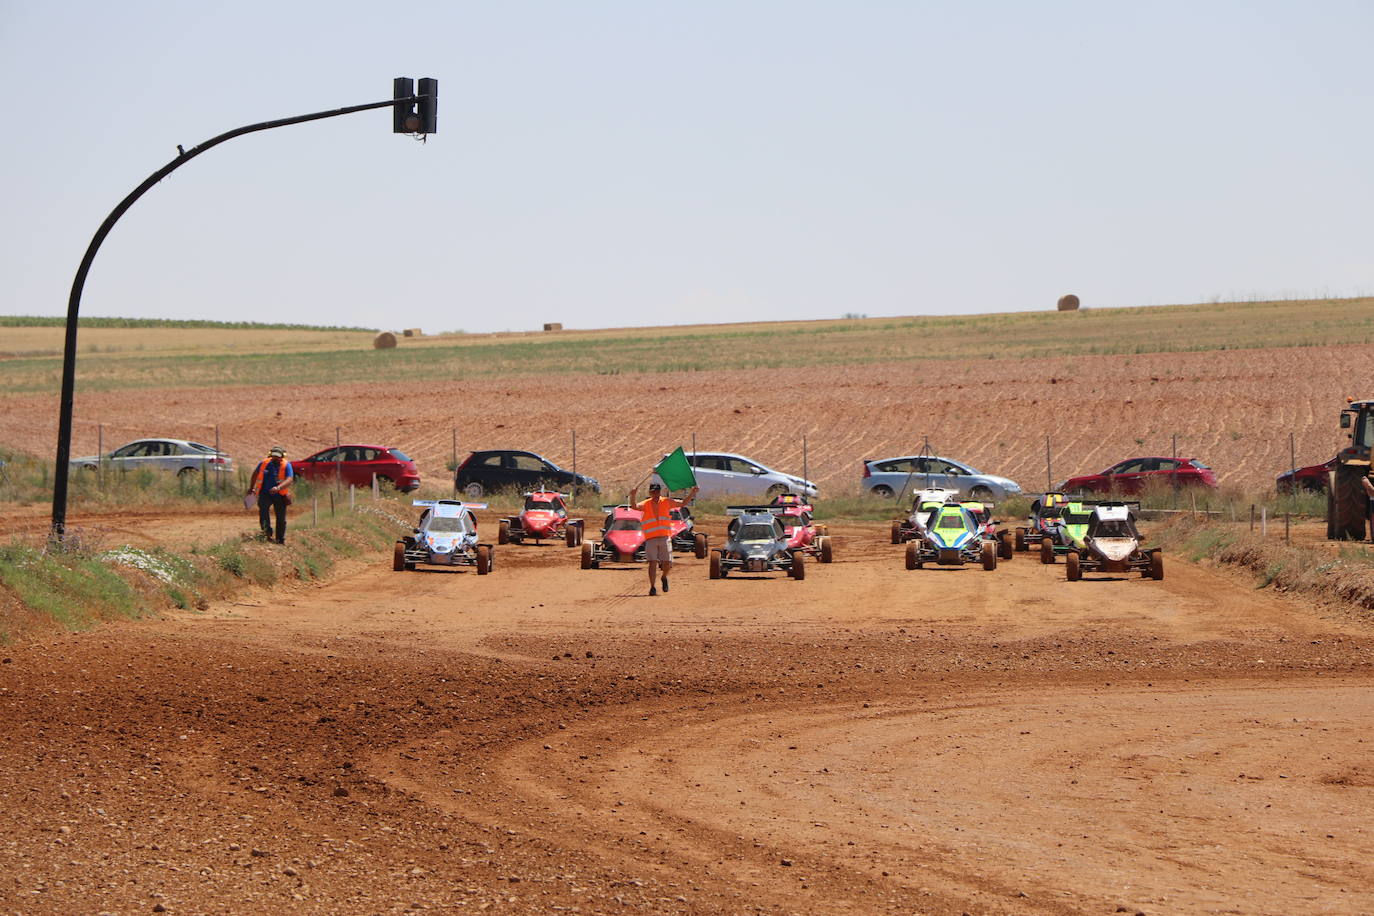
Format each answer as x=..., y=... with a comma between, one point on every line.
x=657, y=523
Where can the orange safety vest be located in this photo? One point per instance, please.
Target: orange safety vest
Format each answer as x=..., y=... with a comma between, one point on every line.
x=658, y=525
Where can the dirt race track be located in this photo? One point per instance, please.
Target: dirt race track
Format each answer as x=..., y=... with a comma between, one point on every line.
x=547, y=739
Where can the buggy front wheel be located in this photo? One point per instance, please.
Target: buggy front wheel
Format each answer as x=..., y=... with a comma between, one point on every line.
x=1022, y=544
x=798, y=565
x=1047, y=551
x=1156, y=566
x=699, y=546
x=912, y=559
x=503, y=532
x=989, y=555
x=483, y=559
x=1004, y=550
x=586, y=555
x=1073, y=569
x=398, y=557
x=827, y=552
x=896, y=532
x=715, y=566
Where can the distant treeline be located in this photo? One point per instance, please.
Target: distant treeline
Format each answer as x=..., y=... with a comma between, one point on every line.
x=37, y=321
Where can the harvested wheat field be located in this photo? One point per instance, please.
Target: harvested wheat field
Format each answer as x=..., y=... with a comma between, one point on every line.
x=548, y=739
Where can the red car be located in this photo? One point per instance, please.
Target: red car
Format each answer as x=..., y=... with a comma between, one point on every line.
x=1135, y=474
x=355, y=464
x=622, y=539
x=545, y=516
x=1312, y=479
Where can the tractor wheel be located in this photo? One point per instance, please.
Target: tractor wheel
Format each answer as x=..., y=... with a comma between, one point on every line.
x=1047, y=551
x=699, y=546
x=827, y=551
x=1022, y=545
x=475, y=490
x=503, y=532
x=586, y=556
x=1004, y=550
x=1073, y=571
x=1156, y=566
x=896, y=532
x=1347, y=504
x=882, y=492
x=483, y=559
x=912, y=561
x=715, y=566
x=989, y=556
x=398, y=558
x=798, y=565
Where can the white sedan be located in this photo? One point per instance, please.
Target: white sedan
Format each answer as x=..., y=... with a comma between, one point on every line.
x=179, y=456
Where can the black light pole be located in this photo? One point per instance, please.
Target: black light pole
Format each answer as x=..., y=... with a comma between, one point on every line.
x=411, y=114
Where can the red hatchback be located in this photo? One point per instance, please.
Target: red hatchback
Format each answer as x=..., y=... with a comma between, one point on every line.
x=356, y=464
x=1135, y=474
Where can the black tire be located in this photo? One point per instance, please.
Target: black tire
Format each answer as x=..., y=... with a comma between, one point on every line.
x=715, y=566
x=981, y=493
x=896, y=532
x=1047, y=551
x=827, y=552
x=882, y=491
x=699, y=546
x=398, y=557
x=912, y=560
x=185, y=474
x=483, y=559
x=1004, y=549
x=1348, y=504
x=570, y=535
x=989, y=556
x=474, y=490
x=776, y=489
x=586, y=556
x=798, y=565
x=1022, y=544
x=503, y=532
x=1156, y=566
x=1073, y=570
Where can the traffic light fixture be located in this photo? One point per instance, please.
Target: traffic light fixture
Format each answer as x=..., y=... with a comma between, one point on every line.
x=412, y=113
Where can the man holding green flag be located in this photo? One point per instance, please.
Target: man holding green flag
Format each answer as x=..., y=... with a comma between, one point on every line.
x=657, y=514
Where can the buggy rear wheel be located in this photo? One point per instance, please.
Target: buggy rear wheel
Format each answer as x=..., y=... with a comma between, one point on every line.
x=1022, y=545
x=1073, y=569
x=483, y=559
x=827, y=552
x=715, y=566
x=1046, y=551
x=398, y=557
x=896, y=532
x=1156, y=566
x=989, y=556
x=912, y=558
x=1004, y=550
x=570, y=535
x=503, y=532
x=798, y=570
x=699, y=546
x=586, y=556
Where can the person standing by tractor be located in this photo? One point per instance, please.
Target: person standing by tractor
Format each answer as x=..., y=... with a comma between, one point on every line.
x=271, y=482
x=1367, y=481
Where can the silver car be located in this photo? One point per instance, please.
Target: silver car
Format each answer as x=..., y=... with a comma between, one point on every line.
x=178, y=456
x=889, y=477
x=721, y=473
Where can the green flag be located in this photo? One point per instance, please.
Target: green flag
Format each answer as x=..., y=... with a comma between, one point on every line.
x=675, y=472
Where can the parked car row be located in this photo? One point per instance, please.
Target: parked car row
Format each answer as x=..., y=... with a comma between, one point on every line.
x=717, y=473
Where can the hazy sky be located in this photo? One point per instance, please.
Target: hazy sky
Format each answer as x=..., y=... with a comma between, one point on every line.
x=610, y=163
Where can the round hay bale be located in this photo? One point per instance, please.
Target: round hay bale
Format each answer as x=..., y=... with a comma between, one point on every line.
x=1068, y=303
x=384, y=341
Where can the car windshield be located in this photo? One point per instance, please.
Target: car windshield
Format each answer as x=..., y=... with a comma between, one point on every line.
x=1077, y=518
x=447, y=524
x=541, y=504
x=201, y=448
x=624, y=524
x=756, y=532
x=1199, y=465
x=398, y=454
x=1114, y=528
x=950, y=522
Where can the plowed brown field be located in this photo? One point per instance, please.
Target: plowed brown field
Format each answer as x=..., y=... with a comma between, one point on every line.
x=1234, y=409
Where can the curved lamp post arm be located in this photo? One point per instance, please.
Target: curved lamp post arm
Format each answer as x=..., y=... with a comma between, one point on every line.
x=64, y=424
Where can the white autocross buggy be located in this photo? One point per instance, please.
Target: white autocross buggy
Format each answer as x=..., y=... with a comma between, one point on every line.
x=445, y=535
